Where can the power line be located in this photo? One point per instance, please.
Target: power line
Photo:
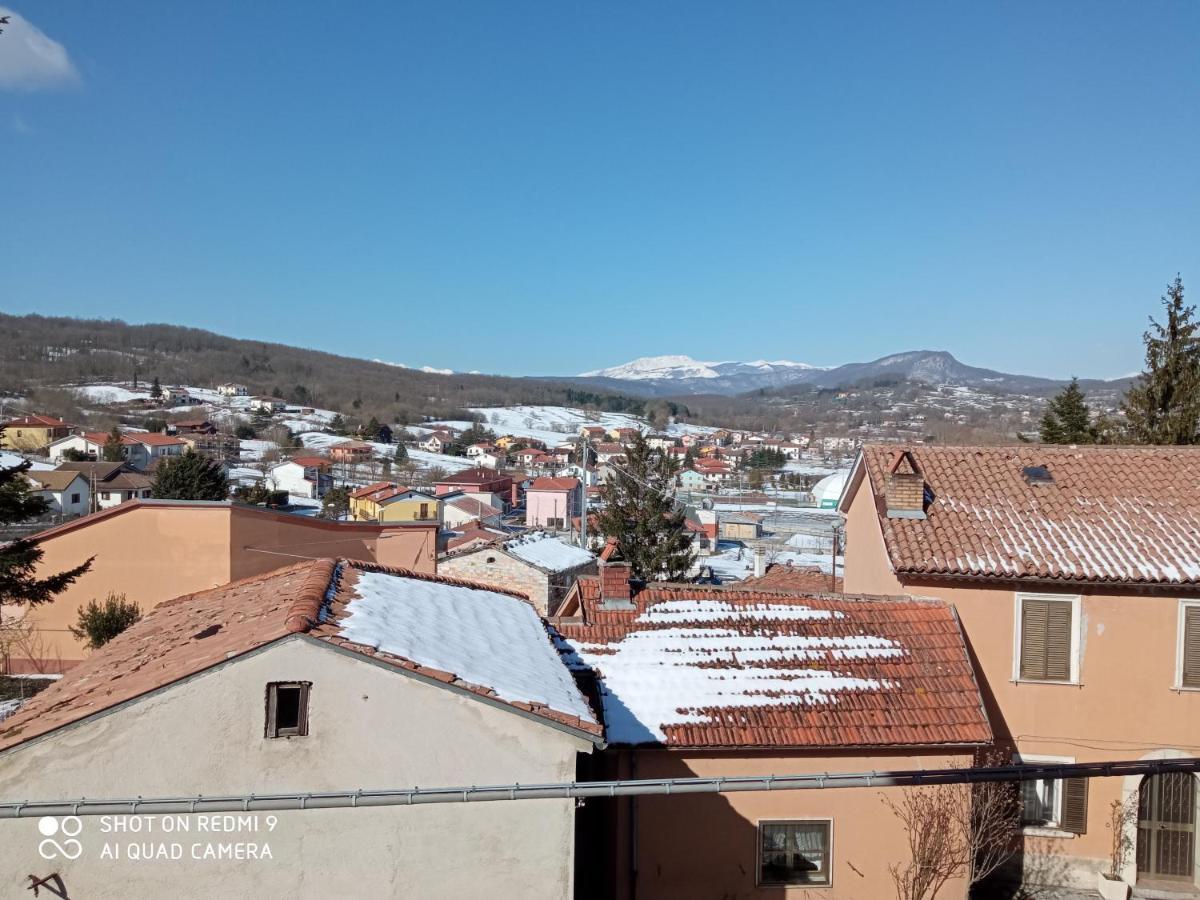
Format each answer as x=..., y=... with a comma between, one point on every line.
x=416, y=796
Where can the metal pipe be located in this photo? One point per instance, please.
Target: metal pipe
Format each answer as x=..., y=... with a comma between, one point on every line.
x=575, y=790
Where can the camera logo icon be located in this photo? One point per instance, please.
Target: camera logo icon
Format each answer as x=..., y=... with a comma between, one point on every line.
x=59, y=837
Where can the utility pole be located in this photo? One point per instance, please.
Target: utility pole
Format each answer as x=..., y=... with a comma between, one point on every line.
x=583, y=504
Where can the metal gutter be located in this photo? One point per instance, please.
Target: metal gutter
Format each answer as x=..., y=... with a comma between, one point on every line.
x=581, y=790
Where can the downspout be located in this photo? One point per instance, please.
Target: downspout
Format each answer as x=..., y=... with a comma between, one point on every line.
x=633, y=830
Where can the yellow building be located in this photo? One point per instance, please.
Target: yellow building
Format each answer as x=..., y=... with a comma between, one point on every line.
x=32, y=432
x=386, y=501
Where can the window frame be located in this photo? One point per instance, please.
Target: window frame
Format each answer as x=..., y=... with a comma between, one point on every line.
x=1076, y=601
x=1056, y=830
x=272, y=731
x=827, y=821
x=1180, y=626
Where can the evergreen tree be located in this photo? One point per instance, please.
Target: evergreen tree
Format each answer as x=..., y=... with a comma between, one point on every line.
x=19, y=558
x=401, y=453
x=1067, y=419
x=337, y=425
x=190, y=477
x=336, y=503
x=370, y=431
x=156, y=391
x=113, y=448
x=689, y=459
x=643, y=517
x=1163, y=406
x=100, y=623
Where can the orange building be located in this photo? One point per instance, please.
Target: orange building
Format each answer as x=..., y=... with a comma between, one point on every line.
x=1076, y=575
x=153, y=550
x=711, y=682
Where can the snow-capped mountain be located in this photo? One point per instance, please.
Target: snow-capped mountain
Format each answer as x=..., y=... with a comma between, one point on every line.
x=717, y=377
x=676, y=375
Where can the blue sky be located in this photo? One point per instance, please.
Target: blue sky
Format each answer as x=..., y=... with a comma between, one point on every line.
x=547, y=188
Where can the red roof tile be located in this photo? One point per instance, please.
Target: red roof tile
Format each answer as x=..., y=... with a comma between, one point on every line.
x=1118, y=515
x=35, y=422
x=554, y=484
x=726, y=668
x=196, y=632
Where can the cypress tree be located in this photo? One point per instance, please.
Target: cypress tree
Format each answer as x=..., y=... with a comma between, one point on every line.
x=189, y=477
x=1163, y=406
x=642, y=515
x=19, y=558
x=1067, y=419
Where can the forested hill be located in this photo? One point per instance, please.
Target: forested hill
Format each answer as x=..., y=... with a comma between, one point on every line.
x=44, y=351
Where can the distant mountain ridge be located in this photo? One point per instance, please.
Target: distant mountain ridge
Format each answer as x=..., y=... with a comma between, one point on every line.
x=660, y=376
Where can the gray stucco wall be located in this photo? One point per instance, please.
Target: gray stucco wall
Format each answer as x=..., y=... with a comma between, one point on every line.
x=369, y=727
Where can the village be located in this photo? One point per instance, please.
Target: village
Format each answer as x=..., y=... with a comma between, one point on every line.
x=844, y=607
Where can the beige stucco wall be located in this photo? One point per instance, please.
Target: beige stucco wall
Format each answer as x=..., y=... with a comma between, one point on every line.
x=1124, y=707
x=155, y=553
x=695, y=847
x=369, y=726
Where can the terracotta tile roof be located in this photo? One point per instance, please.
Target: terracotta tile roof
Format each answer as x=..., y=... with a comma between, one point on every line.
x=101, y=437
x=370, y=489
x=35, y=422
x=473, y=535
x=1117, y=515
x=475, y=507
x=150, y=439
x=196, y=632
x=311, y=461
x=610, y=448
x=737, y=668
x=554, y=484
x=799, y=579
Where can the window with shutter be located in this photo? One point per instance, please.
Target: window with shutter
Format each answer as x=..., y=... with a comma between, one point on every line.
x=1046, y=635
x=1189, y=657
x=1074, y=805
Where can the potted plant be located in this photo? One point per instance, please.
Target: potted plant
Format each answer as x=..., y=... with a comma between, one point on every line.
x=1122, y=817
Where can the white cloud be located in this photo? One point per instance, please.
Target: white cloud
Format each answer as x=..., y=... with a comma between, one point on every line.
x=20, y=126
x=29, y=60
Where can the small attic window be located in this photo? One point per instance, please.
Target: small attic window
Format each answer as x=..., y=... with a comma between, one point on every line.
x=1036, y=475
x=287, y=709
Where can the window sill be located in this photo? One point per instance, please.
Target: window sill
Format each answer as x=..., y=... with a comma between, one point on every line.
x=1046, y=832
x=1180, y=689
x=1077, y=684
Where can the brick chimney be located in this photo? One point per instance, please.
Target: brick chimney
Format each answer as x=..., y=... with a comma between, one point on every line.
x=905, y=487
x=614, y=585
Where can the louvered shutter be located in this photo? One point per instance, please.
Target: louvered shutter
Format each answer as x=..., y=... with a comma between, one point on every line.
x=1046, y=639
x=1033, y=638
x=1058, y=641
x=1190, y=674
x=1075, y=805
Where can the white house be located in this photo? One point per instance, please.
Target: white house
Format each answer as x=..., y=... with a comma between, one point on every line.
x=437, y=442
x=304, y=476
x=232, y=390
x=320, y=677
x=469, y=508
x=267, y=404
x=139, y=449
x=66, y=492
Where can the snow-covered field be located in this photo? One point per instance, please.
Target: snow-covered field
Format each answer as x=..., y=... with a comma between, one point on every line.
x=111, y=393
x=553, y=424
x=315, y=440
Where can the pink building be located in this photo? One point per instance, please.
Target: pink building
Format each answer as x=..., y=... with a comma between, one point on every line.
x=551, y=502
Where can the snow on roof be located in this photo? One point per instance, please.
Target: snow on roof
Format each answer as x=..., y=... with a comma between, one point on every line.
x=488, y=639
x=548, y=552
x=707, y=667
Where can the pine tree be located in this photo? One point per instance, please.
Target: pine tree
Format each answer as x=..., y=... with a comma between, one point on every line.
x=401, y=453
x=689, y=459
x=1163, y=406
x=19, y=558
x=370, y=431
x=1067, y=419
x=156, y=389
x=336, y=503
x=643, y=517
x=113, y=450
x=190, y=477
x=337, y=425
